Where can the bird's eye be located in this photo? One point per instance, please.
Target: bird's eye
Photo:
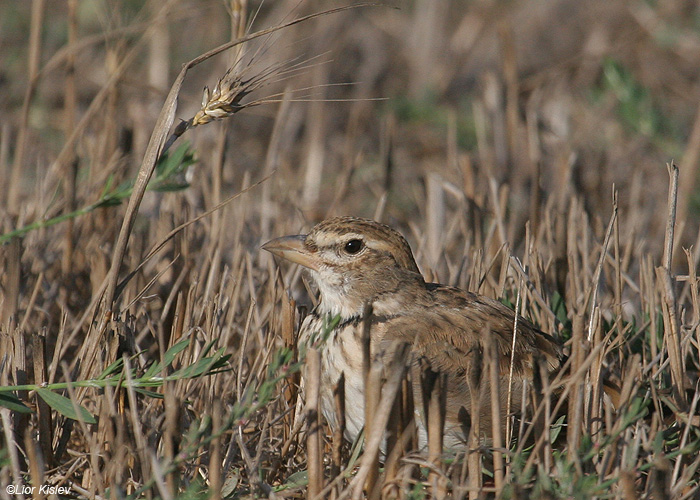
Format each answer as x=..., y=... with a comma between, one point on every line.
x=353, y=246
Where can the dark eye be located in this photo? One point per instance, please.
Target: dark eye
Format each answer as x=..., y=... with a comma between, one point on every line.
x=353, y=246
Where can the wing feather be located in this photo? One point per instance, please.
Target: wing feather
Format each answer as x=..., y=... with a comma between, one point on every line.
x=447, y=328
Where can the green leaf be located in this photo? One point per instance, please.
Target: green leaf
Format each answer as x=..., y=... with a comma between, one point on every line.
x=150, y=394
x=556, y=429
x=111, y=201
x=13, y=403
x=168, y=187
x=64, y=406
x=201, y=367
x=168, y=358
x=175, y=161
x=174, y=351
x=108, y=186
x=559, y=307
x=170, y=166
x=295, y=480
x=154, y=369
x=111, y=369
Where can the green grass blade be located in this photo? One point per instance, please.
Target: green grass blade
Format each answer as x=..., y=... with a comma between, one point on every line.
x=64, y=406
x=11, y=402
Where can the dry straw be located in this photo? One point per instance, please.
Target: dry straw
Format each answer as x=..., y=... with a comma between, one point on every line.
x=166, y=364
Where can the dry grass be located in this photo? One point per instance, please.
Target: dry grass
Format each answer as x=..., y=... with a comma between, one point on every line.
x=521, y=151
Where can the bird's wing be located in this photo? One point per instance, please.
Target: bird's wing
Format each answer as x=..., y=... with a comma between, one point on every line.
x=448, y=327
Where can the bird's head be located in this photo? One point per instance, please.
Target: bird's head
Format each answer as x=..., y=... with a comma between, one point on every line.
x=351, y=260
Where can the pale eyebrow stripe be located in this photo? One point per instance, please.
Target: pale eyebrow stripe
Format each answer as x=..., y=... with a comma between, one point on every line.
x=380, y=245
x=323, y=240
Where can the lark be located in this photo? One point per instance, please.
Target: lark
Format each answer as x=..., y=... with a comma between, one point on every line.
x=355, y=262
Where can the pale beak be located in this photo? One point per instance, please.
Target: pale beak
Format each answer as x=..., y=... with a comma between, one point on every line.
x=292, y=248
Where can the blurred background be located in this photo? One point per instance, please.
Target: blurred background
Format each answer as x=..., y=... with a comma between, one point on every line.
x=553, y=99
x=482, y=130
x=466, y=125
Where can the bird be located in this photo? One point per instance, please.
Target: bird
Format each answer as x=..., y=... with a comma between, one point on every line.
x=355, y=262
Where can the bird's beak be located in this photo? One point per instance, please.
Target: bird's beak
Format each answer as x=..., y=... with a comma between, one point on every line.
x=292, y=248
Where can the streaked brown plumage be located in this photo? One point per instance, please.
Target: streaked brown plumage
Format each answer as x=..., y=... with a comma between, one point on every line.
x=355, y=261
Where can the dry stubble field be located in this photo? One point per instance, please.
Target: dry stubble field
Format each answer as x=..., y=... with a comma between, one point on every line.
x=524, y=148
